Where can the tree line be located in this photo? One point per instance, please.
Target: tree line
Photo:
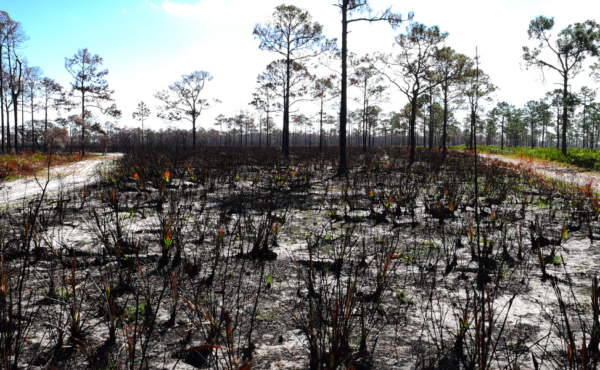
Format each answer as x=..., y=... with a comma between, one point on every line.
x=435, y=80
x=25, y=87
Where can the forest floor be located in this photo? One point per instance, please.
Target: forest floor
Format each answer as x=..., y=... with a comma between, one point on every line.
x=174, y=259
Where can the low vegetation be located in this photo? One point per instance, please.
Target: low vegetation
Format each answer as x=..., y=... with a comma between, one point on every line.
x=241, y=258
x=13, y=166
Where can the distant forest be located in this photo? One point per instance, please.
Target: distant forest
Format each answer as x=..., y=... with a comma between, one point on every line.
x=436, y=80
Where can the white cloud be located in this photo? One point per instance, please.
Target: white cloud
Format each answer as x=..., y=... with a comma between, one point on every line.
x=124, y=10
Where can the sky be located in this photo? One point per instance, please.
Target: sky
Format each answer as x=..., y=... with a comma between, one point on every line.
x=148, y=45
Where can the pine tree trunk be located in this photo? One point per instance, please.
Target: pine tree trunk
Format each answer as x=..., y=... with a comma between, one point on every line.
x=444, y=129
x=430, y=121
x=413, y=121
x=564, y=117
x=2, y=100
x=343, y=114
x=502, y=135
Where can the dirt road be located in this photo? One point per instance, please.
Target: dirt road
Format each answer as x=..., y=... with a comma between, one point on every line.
x=553, y=170
x=66, y=178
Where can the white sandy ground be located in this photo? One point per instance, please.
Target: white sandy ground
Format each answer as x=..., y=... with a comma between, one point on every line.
x=553, y=170
x=530, y=309
x=66, y=178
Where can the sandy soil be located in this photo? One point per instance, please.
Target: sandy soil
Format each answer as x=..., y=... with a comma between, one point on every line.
x=65, y=177
x=282, y=344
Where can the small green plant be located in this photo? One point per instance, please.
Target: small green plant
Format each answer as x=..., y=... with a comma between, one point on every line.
x=517, y=346
x=112, y=365
x=208, y=299
x=63, y=293
x=139, y=311
x=270, y=279
x=557, y=260
x=265, y=316
x=401, y=297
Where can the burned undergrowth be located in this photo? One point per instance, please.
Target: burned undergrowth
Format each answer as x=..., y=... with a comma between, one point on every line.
x=239, y=258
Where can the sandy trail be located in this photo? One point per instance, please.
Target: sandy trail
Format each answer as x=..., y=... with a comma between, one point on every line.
x=553, y=170
x=62, y=178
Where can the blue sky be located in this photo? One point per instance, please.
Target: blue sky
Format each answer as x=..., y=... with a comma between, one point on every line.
x=148, y=45
x=122, y=32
